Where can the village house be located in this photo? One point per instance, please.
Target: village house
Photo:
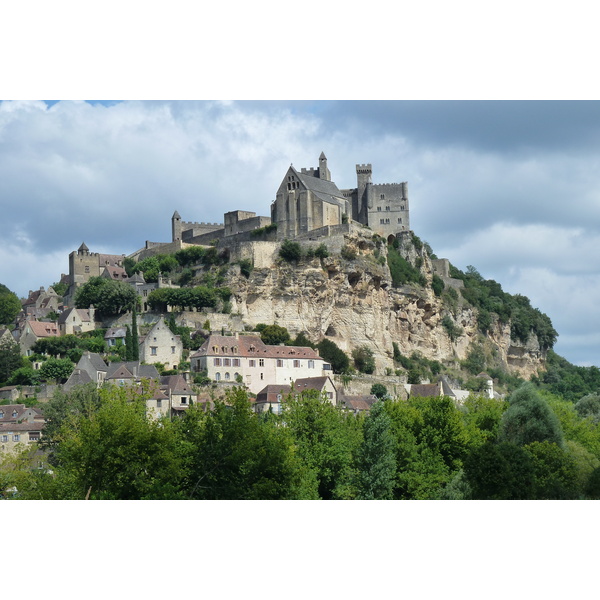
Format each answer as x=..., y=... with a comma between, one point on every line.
x=34, y=331
x=161, y=345
x=19, y=425
x=247, y=359
x=272, y=397
x=40, y=303
x=77, y=320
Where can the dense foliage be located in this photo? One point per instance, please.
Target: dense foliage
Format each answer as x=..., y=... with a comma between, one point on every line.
x=10, y=305
x=109, y=297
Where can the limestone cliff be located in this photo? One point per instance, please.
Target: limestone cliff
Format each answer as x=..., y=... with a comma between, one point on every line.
x=352, y=301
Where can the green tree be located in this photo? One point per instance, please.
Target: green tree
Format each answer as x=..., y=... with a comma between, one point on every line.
x=364, y=360
x=236, y=455
x=379, y=390
x=529, y=419
x=10, y=359
x=274, y=335
x=10, y=305
x=334, y=355
x=57, y=369
x=128, y=345
x=499, y=472
x=376, y=457
x=326, y=440
x=588, y=407
x=108, y=296
x=115, y=452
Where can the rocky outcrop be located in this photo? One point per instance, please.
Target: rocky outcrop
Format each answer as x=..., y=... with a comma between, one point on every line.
x=352, y=302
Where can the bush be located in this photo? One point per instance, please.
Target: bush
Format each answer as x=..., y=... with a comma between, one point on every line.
x=290, y=251
x=329, y=351
x=453, y=331
x=322, y=251
x=437, y=285
x=246, y=267
x=364, y=360
x=379, y=390
x=348, y=253
x=402, y=271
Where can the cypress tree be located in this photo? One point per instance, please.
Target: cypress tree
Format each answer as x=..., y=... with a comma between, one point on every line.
x=135, y=343
x=128, y=344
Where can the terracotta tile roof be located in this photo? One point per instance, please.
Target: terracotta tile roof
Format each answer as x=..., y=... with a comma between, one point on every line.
x=42, y=329
x=270, y=392
x=35, y=426
x=249, y=346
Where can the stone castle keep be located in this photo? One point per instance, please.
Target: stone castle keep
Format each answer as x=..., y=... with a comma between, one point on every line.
x=308, y=201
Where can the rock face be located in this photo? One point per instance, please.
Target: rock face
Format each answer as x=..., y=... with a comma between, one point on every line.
x=352, y=302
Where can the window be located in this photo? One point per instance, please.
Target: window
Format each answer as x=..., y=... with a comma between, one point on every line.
x=399, y=220
x=16, y=437
x=279, y=362
x=227, y=376
x=1, y=414
x=311, y=364
x=279, y=397
x=227, y=362
x=153, y=350
x=87, y=269
x=252, y=363
x=217, y=362
x=330, y=395
x=184, y=400
x=172, y=349
x=382, y=196
x=261, y=362
x=387, y=221
x=381, y=221
x=402, y=207
x=387, y=208
x=218, y=376
x=262, y=376
x=14, y=414
x=379, y=209
x=159, y=404
x=296, y=364
x=5, y=438
x=236, y=362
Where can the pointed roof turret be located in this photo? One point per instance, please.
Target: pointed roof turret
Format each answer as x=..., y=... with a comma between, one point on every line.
x=176, y=215
x=83, y=249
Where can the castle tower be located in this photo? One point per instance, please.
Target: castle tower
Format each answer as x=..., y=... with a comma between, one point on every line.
x=363, y=183
x=324, y=172
x=176, y=226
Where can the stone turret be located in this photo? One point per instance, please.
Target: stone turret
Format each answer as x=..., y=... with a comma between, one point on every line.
x=324, y=172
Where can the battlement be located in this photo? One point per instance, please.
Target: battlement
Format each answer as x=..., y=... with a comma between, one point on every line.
x=388, y=185
x=366, y=169
x=308, y=171
x=190, y=224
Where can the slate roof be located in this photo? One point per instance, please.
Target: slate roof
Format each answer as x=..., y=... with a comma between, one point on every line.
x=78, y=377
x=311, y=383
x=135, y=369
x=176, y=384
x=426, y=390
x=322, y=188
x=357, y=403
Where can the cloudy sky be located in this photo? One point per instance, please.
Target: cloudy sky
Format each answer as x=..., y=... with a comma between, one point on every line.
x=512, y=188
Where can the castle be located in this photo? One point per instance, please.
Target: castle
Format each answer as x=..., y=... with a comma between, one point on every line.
x=308, y=201
x=307, y=205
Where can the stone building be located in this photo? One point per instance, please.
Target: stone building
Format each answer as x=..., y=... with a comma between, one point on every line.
x=247, y=359
x=161, y=345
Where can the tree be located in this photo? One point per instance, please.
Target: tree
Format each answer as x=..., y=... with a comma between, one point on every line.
x=108, y=296
x=379, y=390
x=499, y=472
x=128, y=346
x=10, y=359
x=364, y=360
x=588, y=407
x=529, y=419
x=10, y=305
x=237, y=455
x=376, y=457
x=115, y=452
x=326, y=440
x=334, y=355
x=274, y=335
x=57, y=369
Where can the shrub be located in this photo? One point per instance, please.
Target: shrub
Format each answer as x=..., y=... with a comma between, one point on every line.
x=348, y=253
x=402, y=271
x=290, y=251
x=322, y=251
x=437, y=285
x=453, y=331
x=334, y=355
x=364, y=360
x=379, y=390
x=246, y=267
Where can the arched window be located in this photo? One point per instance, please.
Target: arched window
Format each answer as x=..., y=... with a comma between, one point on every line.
x=218, y=376
x=227, y=376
